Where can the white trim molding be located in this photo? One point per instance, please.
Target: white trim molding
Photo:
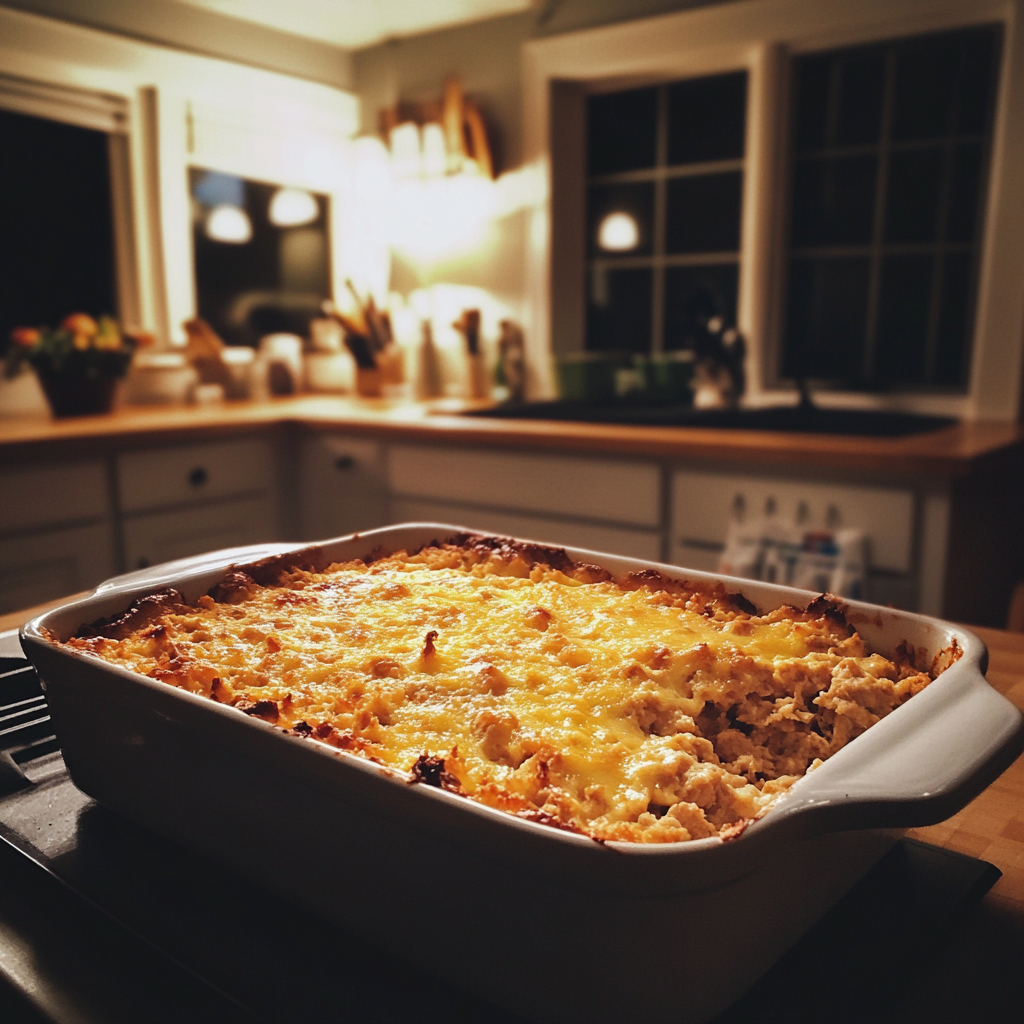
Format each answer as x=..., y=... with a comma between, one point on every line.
x=758, y=35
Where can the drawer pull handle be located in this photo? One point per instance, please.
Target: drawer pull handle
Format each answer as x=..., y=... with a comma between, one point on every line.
x=198, y=477
x=344, y=462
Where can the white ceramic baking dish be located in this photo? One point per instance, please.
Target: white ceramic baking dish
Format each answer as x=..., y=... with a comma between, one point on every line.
x=549, y=924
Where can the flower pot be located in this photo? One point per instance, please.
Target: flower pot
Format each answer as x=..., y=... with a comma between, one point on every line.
x=72, y=395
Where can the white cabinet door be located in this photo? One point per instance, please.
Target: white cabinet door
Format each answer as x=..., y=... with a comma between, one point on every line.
x=616, y=540
x=342, y=486
x=604, y=489
x=163, y=536
x=48, y=565
x=48, y=495
x=160, y=477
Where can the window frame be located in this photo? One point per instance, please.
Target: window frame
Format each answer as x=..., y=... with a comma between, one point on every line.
x=760, y=37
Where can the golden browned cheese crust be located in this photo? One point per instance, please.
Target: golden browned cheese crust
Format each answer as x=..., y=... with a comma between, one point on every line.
x=645, y=709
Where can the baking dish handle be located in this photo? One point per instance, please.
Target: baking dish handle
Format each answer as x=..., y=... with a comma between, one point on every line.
x=913, y=769
x=168, y=572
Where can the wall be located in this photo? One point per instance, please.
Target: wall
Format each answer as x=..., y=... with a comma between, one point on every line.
x=198, y=31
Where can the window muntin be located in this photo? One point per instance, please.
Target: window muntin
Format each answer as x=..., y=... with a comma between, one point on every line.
x=890, y=147
x=672, y=158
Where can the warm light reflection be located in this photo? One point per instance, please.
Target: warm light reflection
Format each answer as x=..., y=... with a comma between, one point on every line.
x=435, y=153
x=406, y=153
x=291, y=207
x=618, y=232
x=227, y=223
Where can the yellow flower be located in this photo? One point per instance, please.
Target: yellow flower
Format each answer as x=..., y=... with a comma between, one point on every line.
x=107, y=334
x=81, y=341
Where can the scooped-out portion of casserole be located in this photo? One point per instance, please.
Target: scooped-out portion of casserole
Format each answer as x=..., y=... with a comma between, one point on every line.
x=643, y=709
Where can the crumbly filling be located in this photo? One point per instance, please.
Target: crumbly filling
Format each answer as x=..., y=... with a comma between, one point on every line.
x=645, y=709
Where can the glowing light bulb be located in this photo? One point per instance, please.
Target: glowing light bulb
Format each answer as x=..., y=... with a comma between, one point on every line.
x=227, y=223
x=291, y=207
x=618, y=232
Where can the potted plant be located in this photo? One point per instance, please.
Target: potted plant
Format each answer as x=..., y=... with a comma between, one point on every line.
x=78, y=363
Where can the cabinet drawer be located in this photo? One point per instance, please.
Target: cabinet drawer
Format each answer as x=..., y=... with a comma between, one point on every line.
x=159, y=477
x=615, y=540
x=54, y=564
x=46, y=495
x=704, y=503
x=163, y=536
x=628, y=492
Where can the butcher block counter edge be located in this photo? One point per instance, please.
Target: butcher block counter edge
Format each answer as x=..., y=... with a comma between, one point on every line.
x=948, y=452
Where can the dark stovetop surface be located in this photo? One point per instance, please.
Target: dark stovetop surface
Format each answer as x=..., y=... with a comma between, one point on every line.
x=790, y=419
x=102, y=920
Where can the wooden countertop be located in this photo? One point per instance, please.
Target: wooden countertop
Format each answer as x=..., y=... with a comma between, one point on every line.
x=947, y=452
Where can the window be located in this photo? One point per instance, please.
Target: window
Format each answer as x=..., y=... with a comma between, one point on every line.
x=889, y=156
x=56, y=222
x=931, y=318
x=262, y=261
x=664, y=202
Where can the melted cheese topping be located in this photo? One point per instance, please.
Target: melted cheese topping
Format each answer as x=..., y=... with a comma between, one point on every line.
x=645, y=711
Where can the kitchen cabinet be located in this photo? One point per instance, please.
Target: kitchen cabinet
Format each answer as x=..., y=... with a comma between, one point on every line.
x=163, y=536
x=942, y=510
x=56, y=531
x=603, y=504
x=342, y=486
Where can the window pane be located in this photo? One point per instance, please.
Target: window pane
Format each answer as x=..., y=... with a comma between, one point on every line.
x=622, y=131
x=56, y=224
x=813, y=75
x=619, y=310
x=912, y=203
x=826, y=318
x=692, y=296
x=976, y=92
x=862, y=85
x=634, y=199
x=834, y=200
x=707, y=118
x=704, y=213
x=952, y=348
x=902, y=336
x=962, y=219
x=926, y=79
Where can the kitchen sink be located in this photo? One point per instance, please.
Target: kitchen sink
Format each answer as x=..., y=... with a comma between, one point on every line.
x=790, y=418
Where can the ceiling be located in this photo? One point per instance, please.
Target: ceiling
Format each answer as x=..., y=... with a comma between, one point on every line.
x=356, y=23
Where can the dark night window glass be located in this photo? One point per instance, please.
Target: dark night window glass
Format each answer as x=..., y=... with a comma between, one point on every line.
x=674, y=256
x=827, y=314
x=693, y=293
x=915, y=185
x=889, y=151
x=56, y=223
x=622, y=131
x=634, y=198
x=619, y=310
x=707, y=118
x=833, y=200
x=704, y=213
x=275, y=281
x=903, y=306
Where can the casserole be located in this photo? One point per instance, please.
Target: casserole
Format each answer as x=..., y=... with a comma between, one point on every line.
x=545, y=922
